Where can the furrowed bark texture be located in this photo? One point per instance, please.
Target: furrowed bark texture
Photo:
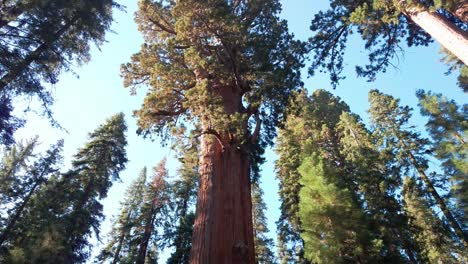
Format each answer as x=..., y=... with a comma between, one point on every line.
x=223, y=230
x=446, y=33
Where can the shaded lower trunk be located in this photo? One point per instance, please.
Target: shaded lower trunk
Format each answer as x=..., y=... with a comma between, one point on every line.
x=445, y=32
x=223, y=230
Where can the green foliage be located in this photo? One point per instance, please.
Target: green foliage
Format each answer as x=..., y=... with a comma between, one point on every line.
x=428, y=229
x=20, y=179
x=263, y=244
x=57, y=224
x=196, y=53
x=41, y=39
x=448, y=127
x=305, y=130
x=382, y=25
x=121, y=246
x=333, y=226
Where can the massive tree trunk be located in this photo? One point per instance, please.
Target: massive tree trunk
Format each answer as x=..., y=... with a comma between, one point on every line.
x=446, y=33
x=223, y=230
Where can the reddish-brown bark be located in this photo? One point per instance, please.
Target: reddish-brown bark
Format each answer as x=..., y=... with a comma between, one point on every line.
x=223, y=230
x=453, y=38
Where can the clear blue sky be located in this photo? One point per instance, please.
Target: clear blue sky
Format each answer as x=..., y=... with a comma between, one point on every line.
x=84, y=102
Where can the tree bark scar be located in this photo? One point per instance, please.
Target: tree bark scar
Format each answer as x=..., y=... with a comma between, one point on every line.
x=240, y=253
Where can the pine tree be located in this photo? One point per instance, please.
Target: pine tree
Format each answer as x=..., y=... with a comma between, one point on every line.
x=263, y=244
x=392, y=125
x=321, y=128
x=379, y=181
x=20, y=180
x=58, y=223
x=156, y=196
x=185, y=189
x=436, y=244
x=41, y=39
x=301, y=134
x=119, y=248
x=228, y=67
x=334, y=227
x=383, y=25
x=448, y=128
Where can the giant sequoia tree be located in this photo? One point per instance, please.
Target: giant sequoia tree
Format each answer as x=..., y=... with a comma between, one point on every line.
x=383, y=25
x=227, y=68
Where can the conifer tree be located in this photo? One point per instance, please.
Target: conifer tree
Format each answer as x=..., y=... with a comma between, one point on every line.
x=301, y=133
x=263, y=244
x=334, y=227
x=448, y=128
x=121, y=246
x=58, y=223
x=185, y=189
x=428, y=229
x=21, y=179
x=383, y=25
x=228, y=67
x=378, y=182
x=320, y=127
x=391, y=123
x=41, y=39
x=156, y=196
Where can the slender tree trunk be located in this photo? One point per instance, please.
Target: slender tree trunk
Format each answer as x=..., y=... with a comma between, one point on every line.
x=223, y=230
x=440, y=202
x=149, y=228
x=6, y=232
x=446, y=33
x=20, y=67
x=119, y=248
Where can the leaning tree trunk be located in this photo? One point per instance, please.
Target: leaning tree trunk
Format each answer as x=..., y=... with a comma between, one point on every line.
x=223, y=230
x=446, y=33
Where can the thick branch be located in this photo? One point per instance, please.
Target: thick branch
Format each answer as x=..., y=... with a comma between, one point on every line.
x=256, y=132
x=162, y=27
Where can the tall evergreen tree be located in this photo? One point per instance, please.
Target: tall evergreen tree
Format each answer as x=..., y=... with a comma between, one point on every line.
x=448, y=127
x=391, y=122
x=121, y=246
x=57, y=224
x=156, y=196
x=18, y=185
x=378, y=181
x=40, y=39
x=185, y=189
x=322, y=129
x=383, y=25
x=334, y=227
x=263, y=244
x=301, y=134
x=428, y=229
x=228, y=67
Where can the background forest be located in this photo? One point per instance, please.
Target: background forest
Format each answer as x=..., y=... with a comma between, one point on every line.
x=369, y=166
